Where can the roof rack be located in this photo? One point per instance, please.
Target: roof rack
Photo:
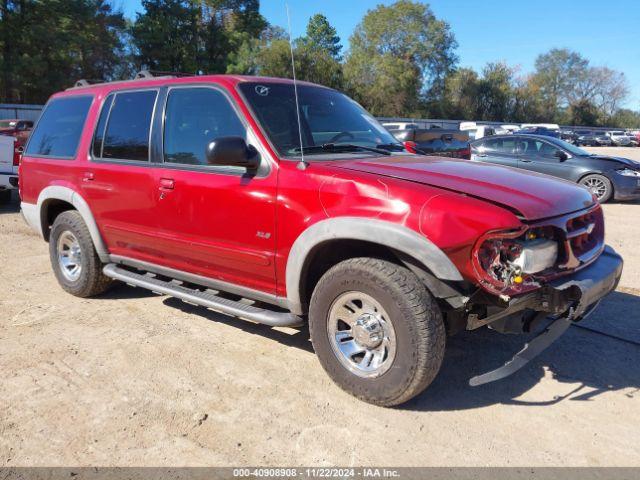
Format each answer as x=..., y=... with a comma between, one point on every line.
x=160, y=73
x=85, y=82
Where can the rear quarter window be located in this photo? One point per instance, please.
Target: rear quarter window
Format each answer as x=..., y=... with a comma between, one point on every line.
x=58, y=131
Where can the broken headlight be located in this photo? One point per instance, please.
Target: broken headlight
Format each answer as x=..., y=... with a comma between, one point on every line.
x=507, y=262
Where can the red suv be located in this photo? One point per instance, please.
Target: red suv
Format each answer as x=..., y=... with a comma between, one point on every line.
x=237, y=194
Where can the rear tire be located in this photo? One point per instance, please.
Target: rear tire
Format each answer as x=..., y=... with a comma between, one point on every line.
x=599, y=185
x=75, y=262
x=5, y=196
x=362, y=301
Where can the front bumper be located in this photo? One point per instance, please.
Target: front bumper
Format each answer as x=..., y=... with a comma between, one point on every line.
x=626, y=188
x=566, y=300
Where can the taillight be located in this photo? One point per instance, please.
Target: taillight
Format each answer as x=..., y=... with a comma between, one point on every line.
x=410, y=146
x=17, y=155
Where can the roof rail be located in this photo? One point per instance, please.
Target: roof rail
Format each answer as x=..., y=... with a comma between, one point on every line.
x=86, y=82
x=160, y=73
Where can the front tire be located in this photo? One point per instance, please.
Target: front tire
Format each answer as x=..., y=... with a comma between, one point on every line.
x=75, y=262
x=377, y=331
x=599, y=185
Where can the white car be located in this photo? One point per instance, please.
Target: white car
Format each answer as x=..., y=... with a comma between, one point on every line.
x=619, y=138
x=8, y=167
x=476, y=131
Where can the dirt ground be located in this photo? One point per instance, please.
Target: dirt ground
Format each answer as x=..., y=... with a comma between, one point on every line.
x=134, y=379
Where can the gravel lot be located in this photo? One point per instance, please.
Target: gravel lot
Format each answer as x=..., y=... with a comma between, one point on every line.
x=133, y=378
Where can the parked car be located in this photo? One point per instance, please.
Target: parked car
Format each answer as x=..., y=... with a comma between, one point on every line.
x=220, y=191
x=20, y=129
x=606, y=177
x=547, y=132
x=476, y=131
x=391, y=126
x=619, y=138
x=548, y=126
x=9, y=162
x=569, y=136
x=432, y=141
x=592, y=139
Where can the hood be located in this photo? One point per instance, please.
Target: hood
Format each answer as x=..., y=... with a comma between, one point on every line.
x=532, y=195
x=625, y=161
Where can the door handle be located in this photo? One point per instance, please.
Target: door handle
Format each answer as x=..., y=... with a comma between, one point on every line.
x=167, y=184
x=482, y=154
x=88, y=176
x=525, y=161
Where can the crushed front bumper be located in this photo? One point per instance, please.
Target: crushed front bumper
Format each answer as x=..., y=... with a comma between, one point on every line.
x=567, y=300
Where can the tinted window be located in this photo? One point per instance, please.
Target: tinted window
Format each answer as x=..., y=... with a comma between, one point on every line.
x=60, y=127
x=102, y=123
x=195, y=117
x=128, y=127
x=499, y=145
x=538, y=148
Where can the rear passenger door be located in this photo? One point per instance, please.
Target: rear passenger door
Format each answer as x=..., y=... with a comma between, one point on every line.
x=496, y=150
x=119, y=182
x=216, y=221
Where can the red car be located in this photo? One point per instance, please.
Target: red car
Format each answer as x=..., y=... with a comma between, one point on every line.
x=220, y=191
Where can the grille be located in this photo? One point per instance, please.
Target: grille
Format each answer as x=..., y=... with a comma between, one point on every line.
x=584, y=238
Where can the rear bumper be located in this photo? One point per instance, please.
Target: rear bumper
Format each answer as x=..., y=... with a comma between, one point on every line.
x=8, y=181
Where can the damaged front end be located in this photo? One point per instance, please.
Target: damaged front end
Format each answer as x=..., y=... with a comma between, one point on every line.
x=551, y=273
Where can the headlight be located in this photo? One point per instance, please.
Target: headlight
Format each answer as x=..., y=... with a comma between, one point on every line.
x=507, y=261
x=627, y=172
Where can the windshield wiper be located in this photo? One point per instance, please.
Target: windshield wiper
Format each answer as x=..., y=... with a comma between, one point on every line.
x=392, y=147
x=340, y=148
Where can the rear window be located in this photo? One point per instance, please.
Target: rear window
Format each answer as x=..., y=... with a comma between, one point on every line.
x=59, y=128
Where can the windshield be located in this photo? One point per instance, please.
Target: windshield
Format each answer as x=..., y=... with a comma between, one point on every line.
x=572, y=149
x=7, y=123
x=326, y=117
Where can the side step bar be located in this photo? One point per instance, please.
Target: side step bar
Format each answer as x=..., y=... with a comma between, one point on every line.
x=205, y=299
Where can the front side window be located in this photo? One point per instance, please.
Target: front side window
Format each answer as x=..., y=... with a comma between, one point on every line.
x=326, y=117
x=127, y=132
x=59, y=128
x=194, y=117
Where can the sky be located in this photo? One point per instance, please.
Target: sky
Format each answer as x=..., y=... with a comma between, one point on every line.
x=607, y=33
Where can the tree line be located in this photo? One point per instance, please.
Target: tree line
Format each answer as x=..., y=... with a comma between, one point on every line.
x=401, y=59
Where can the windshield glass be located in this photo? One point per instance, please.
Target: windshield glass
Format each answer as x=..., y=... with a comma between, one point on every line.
x=7, y=123
x=572, y=149
x=326, y=117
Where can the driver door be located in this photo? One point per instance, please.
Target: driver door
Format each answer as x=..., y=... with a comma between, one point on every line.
x=216, y=221
x=541, y=156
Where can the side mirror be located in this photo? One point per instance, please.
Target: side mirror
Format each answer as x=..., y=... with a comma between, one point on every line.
x=562, y=156
x=232, y=151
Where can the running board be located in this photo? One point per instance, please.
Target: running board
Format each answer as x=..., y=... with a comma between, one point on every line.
x=205, y=299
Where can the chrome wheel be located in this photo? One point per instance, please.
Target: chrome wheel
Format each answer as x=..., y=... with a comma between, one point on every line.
x=361, y=334
x=69, y=256
x=596, y=186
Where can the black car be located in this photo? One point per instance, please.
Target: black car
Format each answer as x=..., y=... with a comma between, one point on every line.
x=547, y=132
x=569, y=136
x=435, y=141
x=606, y=177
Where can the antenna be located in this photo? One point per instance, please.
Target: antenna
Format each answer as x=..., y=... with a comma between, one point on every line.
x=302, y=165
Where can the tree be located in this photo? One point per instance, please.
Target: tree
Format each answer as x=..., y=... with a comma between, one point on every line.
x=46, y=46
x=556, y=74
x=400, y=55
x=322, y=36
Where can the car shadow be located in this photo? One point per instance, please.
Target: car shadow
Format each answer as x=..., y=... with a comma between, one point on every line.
x=597, y=355
x=12, y=206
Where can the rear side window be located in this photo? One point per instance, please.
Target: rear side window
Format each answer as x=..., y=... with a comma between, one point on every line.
x=127, y=131
x=59, y=128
